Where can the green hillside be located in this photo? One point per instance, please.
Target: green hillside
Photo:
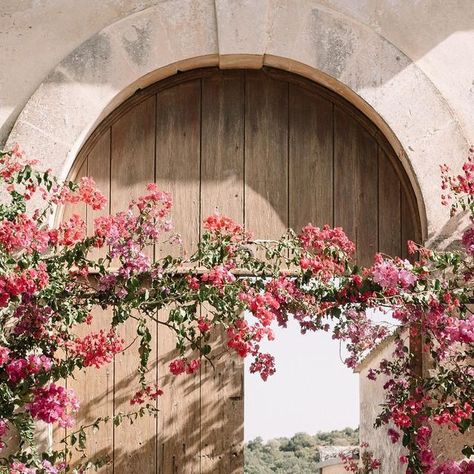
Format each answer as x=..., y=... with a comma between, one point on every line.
x=298, y=454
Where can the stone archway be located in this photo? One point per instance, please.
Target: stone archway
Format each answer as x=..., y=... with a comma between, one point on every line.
x=309, y=39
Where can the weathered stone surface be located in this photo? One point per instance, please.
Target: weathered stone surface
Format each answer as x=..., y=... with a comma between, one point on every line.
x=320, y=40
x=242, y=28
x=371, y=395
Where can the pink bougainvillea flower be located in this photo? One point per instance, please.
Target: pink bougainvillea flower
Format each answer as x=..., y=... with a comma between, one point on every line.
x=3, y=431
x=203, y=325
x=468, y=240
x=97, y=349
x=4, y=355
x=177, y=366
x=54, y=404
x=149, y=393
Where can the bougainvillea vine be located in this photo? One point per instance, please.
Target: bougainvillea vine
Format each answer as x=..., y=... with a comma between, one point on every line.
x=50, y=283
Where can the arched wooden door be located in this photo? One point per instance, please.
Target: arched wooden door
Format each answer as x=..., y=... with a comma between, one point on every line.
x=269, y=149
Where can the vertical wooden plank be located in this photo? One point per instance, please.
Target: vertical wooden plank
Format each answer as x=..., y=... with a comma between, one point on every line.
x=98, y=383
x=132, y=167
x=266, y=156
x=178, y=171
x=310, y=159
x=389, y=207
x=95, y=386
x=75, y=383
x=80, y=209
x=223, y=145
x=409, y=228
x=222, y=190
x=98, y=168
x=355, y=184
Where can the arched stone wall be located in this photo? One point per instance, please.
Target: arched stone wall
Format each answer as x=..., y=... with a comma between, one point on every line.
x=303, y=37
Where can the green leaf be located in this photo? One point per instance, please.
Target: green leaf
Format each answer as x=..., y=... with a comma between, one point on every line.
x=468, y=451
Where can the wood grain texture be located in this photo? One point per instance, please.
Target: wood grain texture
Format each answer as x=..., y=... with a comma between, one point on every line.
x=79, y=380
x=409, y=229
x=178, y=137
x=310, y=159
x=355, y=185
x=99, y=383
x=266, y=156
x=132, y=167
x=389, y=208
x=222, y=186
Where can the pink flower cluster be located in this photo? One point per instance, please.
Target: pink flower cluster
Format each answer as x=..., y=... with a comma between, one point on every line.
x=454, y=416
x=461, y=330
x=405, y=412
x=128, y=233
x=69, y=232
x=13, y=162
x=4, y=355
x=390, y=276
x=32, y=320
x=360, y=334
x=53, y=404
x=264, y=306
x=327, y=251
x=363, y=464
x=393, y=435
x=204, y=325
x=86, y=193
x=468, y=240
x=155, y=201
x=225, y=226
x=28, y=282
x=182, y=365
x=264, y=364
x=460, y=184
x=23, y=234
x=238, y=337
x=442, y=322
x=21, y=468
x=97, y=349
x=244, y=338
x=113, y=228
x=452, y=467
x=219, y=276
x=3, y=431
x=150, y=393
x=46, y=466
x=19, y=369
x=317, y=239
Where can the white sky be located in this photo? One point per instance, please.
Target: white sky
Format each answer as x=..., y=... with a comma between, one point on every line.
x=311, y=391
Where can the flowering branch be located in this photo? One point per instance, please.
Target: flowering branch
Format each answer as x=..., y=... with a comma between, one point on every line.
x=50, y=285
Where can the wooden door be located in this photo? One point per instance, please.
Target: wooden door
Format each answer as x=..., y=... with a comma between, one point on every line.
x=272, y=151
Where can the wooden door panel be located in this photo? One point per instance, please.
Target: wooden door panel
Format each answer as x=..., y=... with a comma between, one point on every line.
x=178, y=137
x=310, y=159
x=132, y=167
x=389, y=207
x=266, y=156
x=270, y=150
x=222, y=190
x=356, y=184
